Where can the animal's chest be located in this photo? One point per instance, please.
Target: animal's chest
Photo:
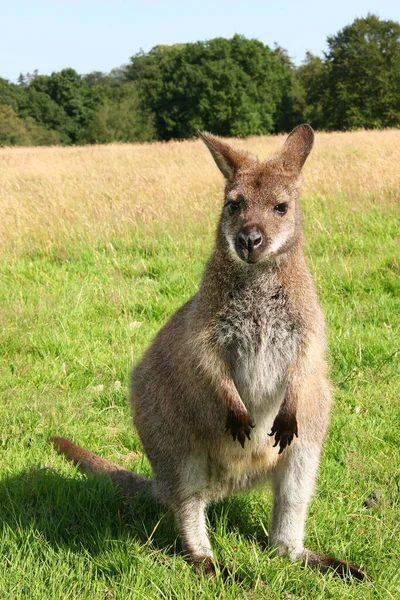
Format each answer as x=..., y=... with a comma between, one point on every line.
x=260, y=336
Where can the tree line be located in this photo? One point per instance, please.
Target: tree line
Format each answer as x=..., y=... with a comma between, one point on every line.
x=232, y=87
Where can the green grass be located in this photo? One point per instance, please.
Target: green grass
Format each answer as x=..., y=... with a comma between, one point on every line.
x=76, y=317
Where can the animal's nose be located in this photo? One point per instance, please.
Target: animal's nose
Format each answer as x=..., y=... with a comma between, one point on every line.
x=249, y=239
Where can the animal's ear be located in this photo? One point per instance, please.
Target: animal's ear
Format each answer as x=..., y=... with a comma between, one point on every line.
x=297, y=147
x=228, y=160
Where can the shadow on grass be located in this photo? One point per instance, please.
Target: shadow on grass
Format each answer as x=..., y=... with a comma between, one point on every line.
x=89, y=516
x=86, y=513
x=81, y=512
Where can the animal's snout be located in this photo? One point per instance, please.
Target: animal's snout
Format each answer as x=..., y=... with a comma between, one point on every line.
x=249, y=239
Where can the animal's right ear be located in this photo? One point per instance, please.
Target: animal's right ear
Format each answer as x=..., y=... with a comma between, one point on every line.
x=227, y=159
x=297, y=147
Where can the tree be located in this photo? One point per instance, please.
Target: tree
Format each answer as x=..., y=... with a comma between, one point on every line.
x=120, y=118
x=112, y=79
x=235, y=87
x=363, y=75
x=288, y=110
x=312, y=91
x=79, y=102
x=12, y=128
x=15, y=131
x=231, y=87
x=10, y=94
x=38, y=105
x=62, y=101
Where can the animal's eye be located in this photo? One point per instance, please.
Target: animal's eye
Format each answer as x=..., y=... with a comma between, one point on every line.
x=282, y=208
x=233, y=207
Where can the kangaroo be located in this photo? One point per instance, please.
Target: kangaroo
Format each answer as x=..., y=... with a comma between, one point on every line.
x=234, y=389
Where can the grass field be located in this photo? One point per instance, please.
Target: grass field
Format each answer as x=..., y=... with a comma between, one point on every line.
x=99, y=245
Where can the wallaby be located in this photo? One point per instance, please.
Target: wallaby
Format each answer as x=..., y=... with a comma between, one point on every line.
x=239, y=371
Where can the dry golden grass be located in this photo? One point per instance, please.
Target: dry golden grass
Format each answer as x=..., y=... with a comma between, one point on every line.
x=52, y=195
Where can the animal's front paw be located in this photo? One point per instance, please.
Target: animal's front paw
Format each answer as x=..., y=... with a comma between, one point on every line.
x=284, y=429
x=240, y=426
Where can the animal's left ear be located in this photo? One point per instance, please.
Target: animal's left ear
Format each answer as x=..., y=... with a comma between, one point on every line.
x=297, y=148
x=228, y=160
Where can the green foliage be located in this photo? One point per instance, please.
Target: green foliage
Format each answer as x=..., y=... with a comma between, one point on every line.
x=231, y=87
x=12, y=128
x=288, y=110
x=358, y=82
x=363, y=75
x=38, y=105
x=70, y=102
x=119, y=118
x=235, y=87
x=68, y=108
x=15, y=131
x=311, y=76
x=10, y=94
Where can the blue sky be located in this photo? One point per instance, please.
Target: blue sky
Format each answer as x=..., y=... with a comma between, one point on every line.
x=97, y=35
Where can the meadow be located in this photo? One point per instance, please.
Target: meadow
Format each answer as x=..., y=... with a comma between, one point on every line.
x=99, y=245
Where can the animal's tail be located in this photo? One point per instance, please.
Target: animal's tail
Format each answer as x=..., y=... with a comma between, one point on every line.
x=325, y=563
x=88, y=462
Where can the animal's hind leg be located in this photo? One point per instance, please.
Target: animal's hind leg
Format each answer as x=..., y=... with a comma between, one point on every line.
x=191, y=521
x=293, y=486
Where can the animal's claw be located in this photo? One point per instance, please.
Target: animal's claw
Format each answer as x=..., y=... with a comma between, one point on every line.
x=239, y=426
x=284, y=429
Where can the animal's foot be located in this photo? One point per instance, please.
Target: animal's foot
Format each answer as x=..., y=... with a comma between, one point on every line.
x=284, y=429
x=204, y=565
x=240, y=426
x=342, y=568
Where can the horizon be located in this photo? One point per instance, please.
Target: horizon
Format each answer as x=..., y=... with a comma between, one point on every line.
x=76, y=32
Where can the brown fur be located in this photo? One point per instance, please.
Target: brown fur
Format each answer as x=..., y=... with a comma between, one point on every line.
x=90, y=463
x=234, y=388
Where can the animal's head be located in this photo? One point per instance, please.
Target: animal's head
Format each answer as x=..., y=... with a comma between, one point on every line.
x=261, y=218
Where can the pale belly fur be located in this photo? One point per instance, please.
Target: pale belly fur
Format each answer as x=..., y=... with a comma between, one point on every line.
x=260, y=341
x=259, y=383
x=234, y=469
